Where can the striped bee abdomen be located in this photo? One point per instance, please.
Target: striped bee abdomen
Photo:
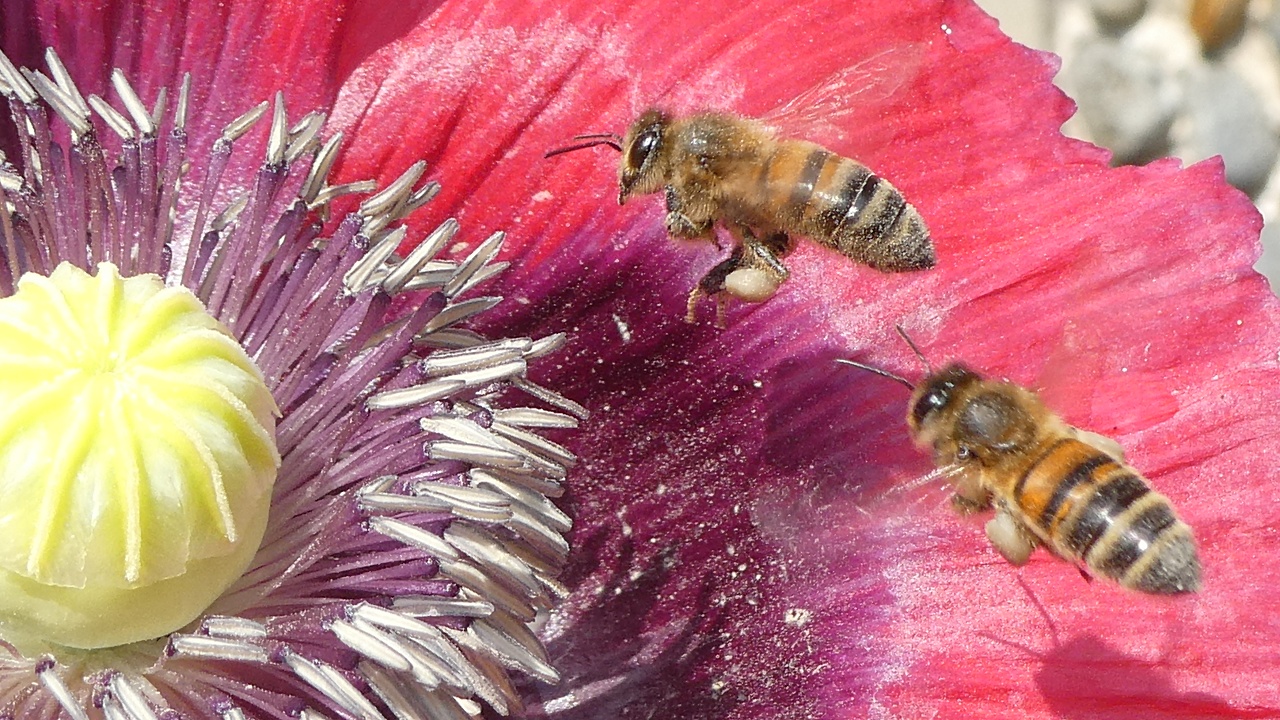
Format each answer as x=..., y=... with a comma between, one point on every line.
x=1095, y=509
x=842, y=204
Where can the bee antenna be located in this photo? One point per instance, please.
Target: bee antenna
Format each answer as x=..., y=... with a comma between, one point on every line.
x=878, y=371
x=592, y=140
x=615, y=137
x=927, y=368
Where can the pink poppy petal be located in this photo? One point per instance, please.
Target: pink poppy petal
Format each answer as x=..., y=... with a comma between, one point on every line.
x=238, y=54
x=742, y=551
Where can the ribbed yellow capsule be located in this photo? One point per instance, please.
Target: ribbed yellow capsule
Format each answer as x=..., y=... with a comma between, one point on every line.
x=137, y=457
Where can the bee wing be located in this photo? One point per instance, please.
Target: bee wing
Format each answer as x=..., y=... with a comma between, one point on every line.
x=828, y=111
x=1085, y=381
x=1074, y=366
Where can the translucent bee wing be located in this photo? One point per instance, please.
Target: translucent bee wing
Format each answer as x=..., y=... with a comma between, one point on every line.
x=829, y=111
x=1074, y=366
x=1085, y=383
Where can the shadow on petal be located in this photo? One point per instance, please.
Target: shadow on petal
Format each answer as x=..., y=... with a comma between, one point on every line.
x=614, y=661
x=1088, y=679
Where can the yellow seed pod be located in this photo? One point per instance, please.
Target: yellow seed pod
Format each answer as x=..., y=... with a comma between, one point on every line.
x=137, y=457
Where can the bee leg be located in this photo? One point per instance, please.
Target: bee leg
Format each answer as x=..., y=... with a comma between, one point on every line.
x=971, y=495
x=712, y=284
x=760, y=271
x=683, y=223
x=751, y=273
x=691, y=307
x=766, y=253
x=780, y=244
x=1010, y=537
x=684, y=227
x=722, y=304
x=968, y=506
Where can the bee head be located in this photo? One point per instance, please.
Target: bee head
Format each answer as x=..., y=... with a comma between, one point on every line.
x=639, y=174
x=934, y=396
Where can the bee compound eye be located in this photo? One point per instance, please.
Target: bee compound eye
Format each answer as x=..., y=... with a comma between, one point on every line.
x=643, y=147
x=935, y=398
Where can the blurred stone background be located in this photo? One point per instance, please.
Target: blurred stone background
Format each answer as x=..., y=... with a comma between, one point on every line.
x=1187, y=78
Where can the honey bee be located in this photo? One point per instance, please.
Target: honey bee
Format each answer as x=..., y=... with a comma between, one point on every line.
x=765, y=190
x=1050, y=483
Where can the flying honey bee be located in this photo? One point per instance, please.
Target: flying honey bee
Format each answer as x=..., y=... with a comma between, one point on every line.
x=765, y=190
x=1050, y=484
